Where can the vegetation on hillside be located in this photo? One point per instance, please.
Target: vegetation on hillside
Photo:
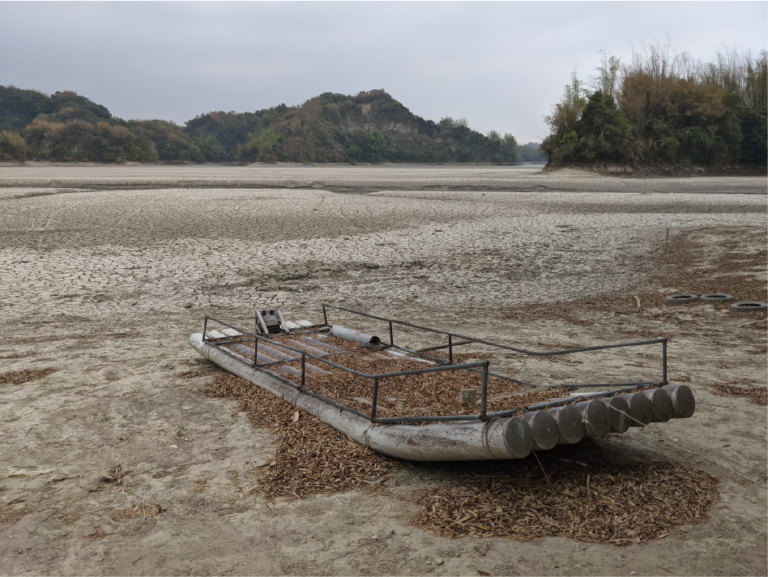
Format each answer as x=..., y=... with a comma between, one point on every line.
x=370, y=127
x=664, y=108
x=65, y=126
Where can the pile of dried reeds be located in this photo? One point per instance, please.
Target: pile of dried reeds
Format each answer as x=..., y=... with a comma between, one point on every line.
x=600, y=502
x=412, y=395
x=595, y=501
x=407, y=396
x=310, y=457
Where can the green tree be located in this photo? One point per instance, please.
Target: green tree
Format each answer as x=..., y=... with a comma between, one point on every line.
x=604, y=131
x=268, y=142
x=12, y=146
x=212, y=150
x=606, y=80
x=754, y=129
x=565, y=115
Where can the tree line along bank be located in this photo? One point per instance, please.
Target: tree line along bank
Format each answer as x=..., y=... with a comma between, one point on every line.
x=369, y=127
x=664, y=109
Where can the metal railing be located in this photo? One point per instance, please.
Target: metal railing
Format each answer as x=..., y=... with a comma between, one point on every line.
x=441, y=366
x=374, y=377
x=451, y=336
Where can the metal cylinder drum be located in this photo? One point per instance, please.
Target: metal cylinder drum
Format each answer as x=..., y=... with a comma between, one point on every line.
x=570, y=427
x=682, y=400
x=544, y=427
x=354, y=336
x=661, y=405
x=597, y=419
x=639, y=409
x=619, y=411
x=518, y=438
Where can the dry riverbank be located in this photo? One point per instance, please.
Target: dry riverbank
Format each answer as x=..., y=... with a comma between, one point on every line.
x=97, y=268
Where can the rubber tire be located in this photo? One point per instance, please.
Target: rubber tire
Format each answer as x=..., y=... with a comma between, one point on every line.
x=682, y=299
x=748, y=307
x=716, y=298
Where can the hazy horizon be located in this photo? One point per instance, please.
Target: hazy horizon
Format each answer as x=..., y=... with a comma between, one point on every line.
x=499, y=65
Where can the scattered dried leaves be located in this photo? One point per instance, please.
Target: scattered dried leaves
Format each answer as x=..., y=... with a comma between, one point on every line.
x=600, y=503
x=755, y=395
x=311, y=457
x=19, y=377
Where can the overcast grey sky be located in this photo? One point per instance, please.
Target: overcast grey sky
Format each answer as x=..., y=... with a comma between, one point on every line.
x=500, y=65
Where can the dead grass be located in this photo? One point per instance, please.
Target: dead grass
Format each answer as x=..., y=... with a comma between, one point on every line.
x=755, y=395
x=138, y=510
x=115, y=475
x=598, y=503
x=18, y=355
x=13, y=511
x=20, y=377
x=310, y=457
x=98, y=534
x=683, y=264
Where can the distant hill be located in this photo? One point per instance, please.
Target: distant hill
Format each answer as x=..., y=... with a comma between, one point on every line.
x=369, y=127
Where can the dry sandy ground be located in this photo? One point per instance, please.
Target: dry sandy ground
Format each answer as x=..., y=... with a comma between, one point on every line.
x=97, y=264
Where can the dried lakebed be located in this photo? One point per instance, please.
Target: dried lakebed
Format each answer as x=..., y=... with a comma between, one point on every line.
x=94, y=284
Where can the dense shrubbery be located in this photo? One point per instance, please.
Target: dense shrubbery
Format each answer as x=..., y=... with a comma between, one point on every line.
x=171, y=142
x=81, y=140
x=667, y=109
x=65, y=127
x=12, y=146
x=371, y=127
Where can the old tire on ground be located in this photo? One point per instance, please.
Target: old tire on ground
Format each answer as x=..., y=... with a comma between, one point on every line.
x=682, y=299
x=716, y=298
x=748, y=307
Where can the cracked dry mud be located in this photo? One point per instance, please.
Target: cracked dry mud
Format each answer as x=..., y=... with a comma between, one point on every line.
x=97, y=265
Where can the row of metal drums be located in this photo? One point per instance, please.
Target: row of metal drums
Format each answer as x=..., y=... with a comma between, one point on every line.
x=571, y=423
